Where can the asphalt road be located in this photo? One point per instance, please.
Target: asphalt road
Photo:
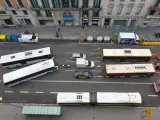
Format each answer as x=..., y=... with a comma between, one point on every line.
x=63, y=81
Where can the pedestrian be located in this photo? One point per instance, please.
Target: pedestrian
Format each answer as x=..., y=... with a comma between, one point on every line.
x=143, y=116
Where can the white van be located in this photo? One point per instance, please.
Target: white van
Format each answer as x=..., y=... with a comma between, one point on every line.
x=28, y=38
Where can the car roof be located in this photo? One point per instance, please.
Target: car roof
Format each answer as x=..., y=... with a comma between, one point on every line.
x=76, y=54
x=82, y=73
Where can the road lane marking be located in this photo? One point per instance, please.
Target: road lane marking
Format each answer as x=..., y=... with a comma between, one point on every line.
x=72, y=45
x=90, y=82
x=24, y=92
x=97, y=76
x=94, y=53
x=70, y=61
x=96, y=61
x=154, y=54
x=8, y=91
x=39, y=92
x=53, y=92
x=153, y=95
x=95, y=70
x=69, y=70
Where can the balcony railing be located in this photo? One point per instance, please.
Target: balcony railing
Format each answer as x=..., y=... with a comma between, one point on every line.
x=153, y=16
x=155, y=8
x=90, y=8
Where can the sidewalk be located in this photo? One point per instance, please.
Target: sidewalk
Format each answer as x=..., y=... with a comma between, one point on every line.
x=70, y=32
x=13, y=112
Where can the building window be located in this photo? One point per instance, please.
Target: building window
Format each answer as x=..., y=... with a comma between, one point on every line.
x=96, y=13
x=45, y=3
x=119, y=10
x=38, y=13
x=111, y=0
x=97, y=3
x=85, y=13
x=65, y=3
x=34, y=3
x=20, y=3
x=140, y=7
x=74, y=3
x=25, y=12
x=129, y=9
x=42, y=22
x=110, y=8
x=85, y=3
x=132, y=0
x=56, y=3
x=48, y=13
x=28, y=21
x=121, y=0
x=2, y=12
x=8, y=22
x=14, y=12
x=8, y=3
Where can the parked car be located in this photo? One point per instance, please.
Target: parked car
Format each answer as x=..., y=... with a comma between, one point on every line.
x=156, y=85
x=158, y=57
x=83, y=75
x=157, y=65
x=74, y=56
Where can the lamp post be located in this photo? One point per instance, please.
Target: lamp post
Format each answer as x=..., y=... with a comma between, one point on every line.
x=54, y=19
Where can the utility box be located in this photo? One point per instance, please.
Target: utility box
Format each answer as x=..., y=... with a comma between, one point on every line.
x=90, y=38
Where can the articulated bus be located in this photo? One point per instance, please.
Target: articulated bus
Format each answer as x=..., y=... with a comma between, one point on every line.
x=99, y=98
x=25, y=58
x=126, y=55
x=129, y=70
x=30, y=72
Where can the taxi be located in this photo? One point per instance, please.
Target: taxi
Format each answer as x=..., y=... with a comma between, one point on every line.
x=156, y=85
x=83, y=75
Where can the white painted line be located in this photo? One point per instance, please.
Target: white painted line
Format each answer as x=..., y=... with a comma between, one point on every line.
x=96, y=61
x=153, y=95
x=95, y=70
x=39, y=92
x=72, y=45
x=24, y=92
x=154, y=54
x=94, y=49
x=53, y=92
x=90, y=82
x=97, y=76
x=94, y=45
x=69, y=52
x=8, y=91
x=94, y=53
x=70, y=61
x=69, y=70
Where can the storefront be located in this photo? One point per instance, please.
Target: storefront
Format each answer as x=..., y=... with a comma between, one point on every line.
x=95, y=21
x=120, y=22
x=85, y=21
x=68, y=20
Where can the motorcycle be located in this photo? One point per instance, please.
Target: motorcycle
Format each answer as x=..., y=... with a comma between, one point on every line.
x=66, y=65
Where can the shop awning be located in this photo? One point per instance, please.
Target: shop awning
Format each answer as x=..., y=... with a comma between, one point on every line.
x=3, y=17
x=67, y=18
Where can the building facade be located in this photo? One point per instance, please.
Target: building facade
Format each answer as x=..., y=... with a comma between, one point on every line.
x=141, y=13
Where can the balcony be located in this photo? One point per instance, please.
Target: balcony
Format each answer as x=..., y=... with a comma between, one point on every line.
x=155, y=8
x=153, y=16
x=55, y=9
x=90, y=8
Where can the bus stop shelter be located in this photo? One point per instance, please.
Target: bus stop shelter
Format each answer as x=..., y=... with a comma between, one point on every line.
x=41, y=110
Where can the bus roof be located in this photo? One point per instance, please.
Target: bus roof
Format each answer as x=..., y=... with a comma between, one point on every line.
x=27, y=70
x=114, y=97
x=127, y=35
x=25, y=55
x=70, y=97
x=130, y=68
x=127, y=52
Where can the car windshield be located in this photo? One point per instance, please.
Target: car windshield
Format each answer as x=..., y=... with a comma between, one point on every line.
x=89, y=63
x=86, y=73
x=81, y=55
x=75, y=55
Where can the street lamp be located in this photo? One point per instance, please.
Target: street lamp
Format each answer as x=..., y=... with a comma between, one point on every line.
x=54, y=20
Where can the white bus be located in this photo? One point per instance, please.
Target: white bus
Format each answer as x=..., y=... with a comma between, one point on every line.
x=126, y=55
x=99, y=98
x=30, y=72
x=129, y=70
x=25, y=58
